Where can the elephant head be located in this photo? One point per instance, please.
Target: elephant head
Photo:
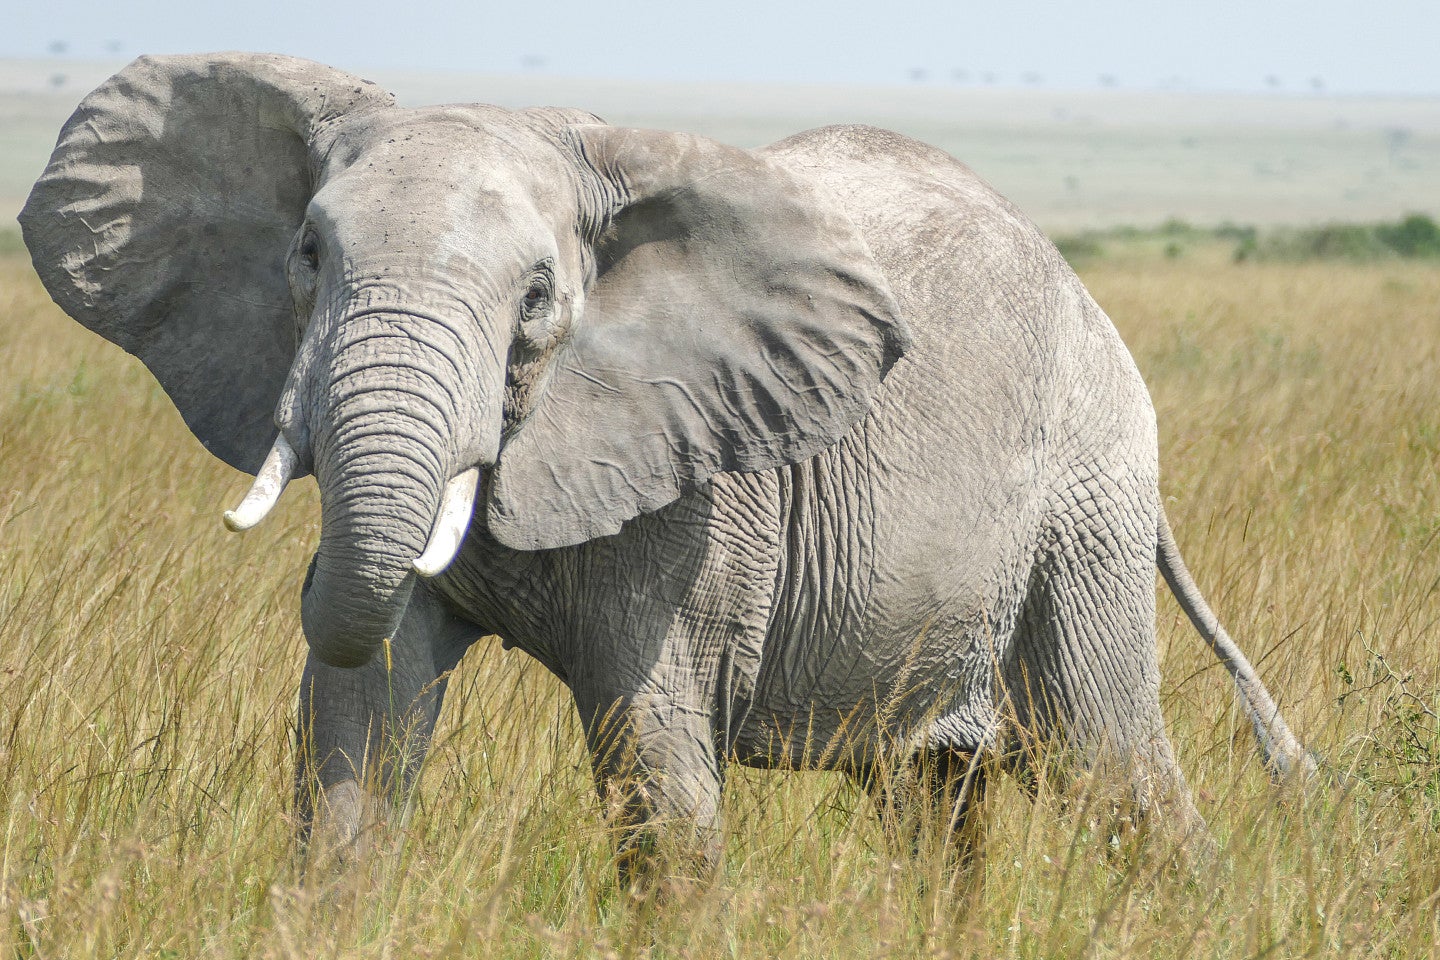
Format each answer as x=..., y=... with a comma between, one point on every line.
x=595, y=319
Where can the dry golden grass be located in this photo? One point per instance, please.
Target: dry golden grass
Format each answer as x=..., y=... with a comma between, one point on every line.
x=148, y=663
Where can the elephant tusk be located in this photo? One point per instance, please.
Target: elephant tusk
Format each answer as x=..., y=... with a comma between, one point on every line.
x=456, y=506
x=270, y=482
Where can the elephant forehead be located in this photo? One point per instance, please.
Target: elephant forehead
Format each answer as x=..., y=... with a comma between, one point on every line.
x=456, y=146
x=442, y=189
x=388, y=222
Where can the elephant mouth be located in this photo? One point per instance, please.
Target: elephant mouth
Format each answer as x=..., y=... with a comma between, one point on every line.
x=452, y=519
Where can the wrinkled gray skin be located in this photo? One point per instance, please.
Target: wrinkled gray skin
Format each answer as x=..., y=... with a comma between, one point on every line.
x=805, y=456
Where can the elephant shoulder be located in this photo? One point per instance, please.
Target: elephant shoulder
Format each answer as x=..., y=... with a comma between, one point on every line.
x=911, y=186
x=920, y=209
x=860, y=142
x=851, y=147
x=979, y=284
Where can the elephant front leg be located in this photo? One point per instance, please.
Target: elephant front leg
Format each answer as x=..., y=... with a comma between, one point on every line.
x=362, y=733
x=660, y=777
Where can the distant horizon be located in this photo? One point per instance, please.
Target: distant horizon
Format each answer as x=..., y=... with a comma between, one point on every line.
x=1071, y=160
x=1172, y=85
x=79, y=74
x=1329, y=47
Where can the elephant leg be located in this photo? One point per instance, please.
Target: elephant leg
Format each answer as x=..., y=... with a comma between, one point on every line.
x=660, y=777
x=958, y=782
x=934, y=805
x=362, y=733
x=1087, y=674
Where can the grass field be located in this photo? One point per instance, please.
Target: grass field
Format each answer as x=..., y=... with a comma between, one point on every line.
x=148, y=662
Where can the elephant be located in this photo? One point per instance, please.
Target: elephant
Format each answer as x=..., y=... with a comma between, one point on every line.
x=816, y=455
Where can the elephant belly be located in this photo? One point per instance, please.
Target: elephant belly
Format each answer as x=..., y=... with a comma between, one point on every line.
x=901, y=582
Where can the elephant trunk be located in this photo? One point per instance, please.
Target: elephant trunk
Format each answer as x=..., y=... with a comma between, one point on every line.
x=385, y=446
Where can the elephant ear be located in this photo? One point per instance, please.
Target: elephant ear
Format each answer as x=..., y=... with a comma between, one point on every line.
x=736, y=322
x=164, y=218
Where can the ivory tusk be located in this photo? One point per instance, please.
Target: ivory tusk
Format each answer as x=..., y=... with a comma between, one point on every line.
x=265, y=492
x=456, y=506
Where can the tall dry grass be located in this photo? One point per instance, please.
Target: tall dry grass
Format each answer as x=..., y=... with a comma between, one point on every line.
x=148, y=663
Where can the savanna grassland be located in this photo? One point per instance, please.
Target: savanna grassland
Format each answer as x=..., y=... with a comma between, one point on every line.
x=148, y=665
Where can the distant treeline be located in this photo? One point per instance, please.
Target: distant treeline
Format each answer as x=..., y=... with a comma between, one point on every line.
x=1415, y=236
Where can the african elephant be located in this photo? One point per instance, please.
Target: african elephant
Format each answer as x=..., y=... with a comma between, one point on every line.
x=803, y=456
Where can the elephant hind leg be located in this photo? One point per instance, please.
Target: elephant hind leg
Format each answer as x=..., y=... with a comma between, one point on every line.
x=1086, y=680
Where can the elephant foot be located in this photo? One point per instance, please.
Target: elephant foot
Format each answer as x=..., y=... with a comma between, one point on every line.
x=1148, y=820
x=670, y=863
x=346, y=829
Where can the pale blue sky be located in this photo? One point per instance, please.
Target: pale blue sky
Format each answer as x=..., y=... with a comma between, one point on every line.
x=1379, y=46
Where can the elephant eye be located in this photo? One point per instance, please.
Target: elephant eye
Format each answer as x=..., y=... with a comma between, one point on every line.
x=536, y=297
x=310, y=252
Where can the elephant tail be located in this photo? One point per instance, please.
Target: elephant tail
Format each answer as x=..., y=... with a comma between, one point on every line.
x=1283, y=754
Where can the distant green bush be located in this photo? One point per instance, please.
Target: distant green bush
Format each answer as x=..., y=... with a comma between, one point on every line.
x=10, y=241
x=1331, y=241
x=1236, y=232
x=1415, y=236
x=1412, y=237
x=1079, y=247
x=1175, y=227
